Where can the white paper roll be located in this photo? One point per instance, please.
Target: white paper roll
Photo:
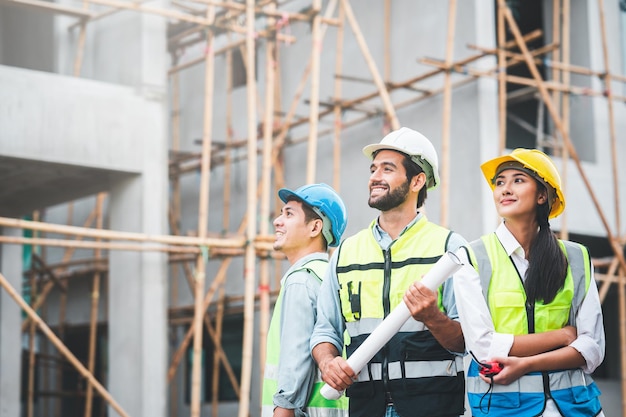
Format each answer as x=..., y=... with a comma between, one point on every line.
x=447, y=265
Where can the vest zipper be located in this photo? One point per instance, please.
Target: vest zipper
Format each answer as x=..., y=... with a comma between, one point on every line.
x=386, y=311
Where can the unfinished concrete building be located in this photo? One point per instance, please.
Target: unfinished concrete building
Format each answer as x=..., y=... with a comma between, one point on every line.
x=142, y=144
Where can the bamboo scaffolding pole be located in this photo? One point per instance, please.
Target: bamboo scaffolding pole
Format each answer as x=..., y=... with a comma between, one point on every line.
x=382, y=89
x=66, y=243
x=203, y=215
x=557, y=121
x=565, y=42
x=46, y=369
x=386, y=41
x=59, y=267
x=50, y=7
x=93, y=319
x=249, y=261
x=60, y=346
x=61, y=331
x=337, y=108
x=63, y=311
x=140, y=7
x=80, y=46
x=266, y=188
x=271, y=12
x=316, y=52
x=229, y=137
x=608, y=89
x=175, y=203
x=554, y=64
x=446, y=117
x=32, y=356
x=30, y=391
x=97, y=16
x=557, y=96
x=607, y=279
x=116, y=235
x=501, y=71
x=622, y=331
x=549, y=85
x=219, y=319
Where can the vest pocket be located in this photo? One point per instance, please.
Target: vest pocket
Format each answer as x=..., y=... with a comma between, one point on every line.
x=578, y=391
x=556, y=317
x=350, y=296
x=510, y=312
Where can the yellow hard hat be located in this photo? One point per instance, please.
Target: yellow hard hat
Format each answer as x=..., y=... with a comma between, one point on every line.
x=535, y=163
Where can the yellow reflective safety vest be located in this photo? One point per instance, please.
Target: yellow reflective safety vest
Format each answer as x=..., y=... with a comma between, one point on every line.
x=574, y=392
x=317, y=405
x=423, y=378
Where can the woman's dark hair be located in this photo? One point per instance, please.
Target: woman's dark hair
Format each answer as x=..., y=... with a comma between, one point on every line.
x=547, y=265
x=412, y=169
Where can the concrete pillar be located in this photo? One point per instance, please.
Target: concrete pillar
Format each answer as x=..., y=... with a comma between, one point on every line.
x=10, y=329
x=138, y=280
x=137, y=297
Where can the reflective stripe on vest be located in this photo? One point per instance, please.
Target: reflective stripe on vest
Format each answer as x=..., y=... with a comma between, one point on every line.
x=573, y=391
x=422, y=369
x=317, y=405
x=367, y=326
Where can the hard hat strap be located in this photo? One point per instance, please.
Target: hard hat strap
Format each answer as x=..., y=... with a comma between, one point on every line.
x=327, y=228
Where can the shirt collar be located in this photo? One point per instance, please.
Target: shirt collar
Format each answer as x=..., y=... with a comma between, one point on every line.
x=510, y=244
x=310, y=257
x=383, y=238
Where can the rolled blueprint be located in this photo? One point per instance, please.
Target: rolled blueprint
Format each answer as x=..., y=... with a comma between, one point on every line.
x=447, y=265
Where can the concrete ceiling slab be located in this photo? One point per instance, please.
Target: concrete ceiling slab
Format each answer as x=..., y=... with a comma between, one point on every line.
x=28, y=185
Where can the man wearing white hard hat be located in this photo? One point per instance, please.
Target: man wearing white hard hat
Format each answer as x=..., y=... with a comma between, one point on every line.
x=419, y=372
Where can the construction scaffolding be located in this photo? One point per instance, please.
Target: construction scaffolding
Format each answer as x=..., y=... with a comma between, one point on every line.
x=269, y=131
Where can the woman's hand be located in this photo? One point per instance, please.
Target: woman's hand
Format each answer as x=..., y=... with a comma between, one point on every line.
x=513, y=368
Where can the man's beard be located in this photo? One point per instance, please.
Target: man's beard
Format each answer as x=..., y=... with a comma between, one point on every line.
x=392, y=199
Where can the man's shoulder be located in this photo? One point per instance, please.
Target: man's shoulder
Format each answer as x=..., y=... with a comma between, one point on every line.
x=454, y=240
x=306, y=273
x=363, y=232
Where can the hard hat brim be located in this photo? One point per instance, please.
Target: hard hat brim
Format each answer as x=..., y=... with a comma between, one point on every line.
x=285, y=193
x=370, y=149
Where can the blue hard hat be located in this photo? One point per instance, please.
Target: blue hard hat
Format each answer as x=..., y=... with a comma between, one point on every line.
x=326, y=203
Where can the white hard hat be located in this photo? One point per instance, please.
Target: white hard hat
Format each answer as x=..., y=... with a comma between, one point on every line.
x=416, y=146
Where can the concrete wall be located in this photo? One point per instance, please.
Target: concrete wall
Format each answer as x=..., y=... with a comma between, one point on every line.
x=27, y=46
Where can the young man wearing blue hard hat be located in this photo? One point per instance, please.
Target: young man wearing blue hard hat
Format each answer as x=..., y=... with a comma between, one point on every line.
x=312, y=218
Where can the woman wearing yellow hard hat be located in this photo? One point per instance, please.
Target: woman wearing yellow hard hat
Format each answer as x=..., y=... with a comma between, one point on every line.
x=529, y=307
